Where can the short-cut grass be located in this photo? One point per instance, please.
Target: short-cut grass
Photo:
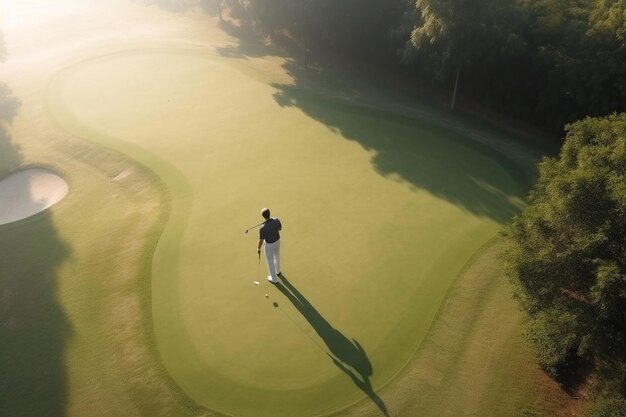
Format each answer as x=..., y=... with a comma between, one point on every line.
x=381, y=212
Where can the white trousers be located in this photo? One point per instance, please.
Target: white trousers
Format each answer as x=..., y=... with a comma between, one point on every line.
x=272, y=254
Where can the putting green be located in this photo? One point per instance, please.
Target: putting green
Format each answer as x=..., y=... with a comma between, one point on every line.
x=380, y=214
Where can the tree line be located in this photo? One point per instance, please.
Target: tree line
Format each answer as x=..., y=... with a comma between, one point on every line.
x=567, y=261
x=547, y=62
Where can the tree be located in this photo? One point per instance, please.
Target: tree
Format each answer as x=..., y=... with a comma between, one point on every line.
x=349, y=27
x=611, y=407
x=605, y=47
x=452, y=35
x=567, y=251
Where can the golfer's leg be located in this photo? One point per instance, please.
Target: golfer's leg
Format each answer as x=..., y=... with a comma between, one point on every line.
x=277, y=257
x=269, y=256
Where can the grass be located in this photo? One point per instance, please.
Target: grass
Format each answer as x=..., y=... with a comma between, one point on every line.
x=73, y=308
x=31, y=314
x=473, y=361
x=381, y=213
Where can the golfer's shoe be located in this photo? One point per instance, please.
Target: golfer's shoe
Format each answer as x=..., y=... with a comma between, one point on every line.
x=280, y=274
x=272, y=280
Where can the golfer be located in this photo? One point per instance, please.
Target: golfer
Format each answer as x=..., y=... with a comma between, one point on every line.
x=269, y=233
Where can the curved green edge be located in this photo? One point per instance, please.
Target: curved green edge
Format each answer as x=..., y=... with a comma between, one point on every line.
x=180, y=191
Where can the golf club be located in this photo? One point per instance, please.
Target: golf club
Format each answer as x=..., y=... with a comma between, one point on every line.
x=259, y=281
x=250, y=228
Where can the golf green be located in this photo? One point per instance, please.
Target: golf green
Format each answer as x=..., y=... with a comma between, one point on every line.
x=380, y=213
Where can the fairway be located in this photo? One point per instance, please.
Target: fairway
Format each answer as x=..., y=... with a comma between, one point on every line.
x=380, y=213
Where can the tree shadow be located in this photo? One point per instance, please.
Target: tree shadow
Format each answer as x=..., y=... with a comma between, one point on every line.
x=10, y=155
x=426, y=152
x=249, y=45
x=348, y=355
x=410, y=141
x=252, y=45
x=33, y=326
x=423, y=155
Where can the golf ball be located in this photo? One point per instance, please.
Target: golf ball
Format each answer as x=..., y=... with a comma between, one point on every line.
x=265, y=295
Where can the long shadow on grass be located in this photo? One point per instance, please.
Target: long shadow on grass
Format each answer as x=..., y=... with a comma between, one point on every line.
x=433, y=152
x=33, y=326
x=423, y=155
x=249, y=45
x=427, y=154
x=348, y=355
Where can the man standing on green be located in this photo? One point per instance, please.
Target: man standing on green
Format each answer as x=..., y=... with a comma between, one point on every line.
x=270, y=234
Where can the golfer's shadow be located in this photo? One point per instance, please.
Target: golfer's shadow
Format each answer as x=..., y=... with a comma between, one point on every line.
x=347, y=355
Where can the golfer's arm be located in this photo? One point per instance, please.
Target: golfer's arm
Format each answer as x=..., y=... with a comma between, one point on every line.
x=260, y=244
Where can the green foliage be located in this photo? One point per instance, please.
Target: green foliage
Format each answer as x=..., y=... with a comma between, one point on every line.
x=608, y=21
x=548, y=61
x=567, y=254
x=610, y=407
x=345, y=26
x=579, y=48
x=458, y=34
x=354, y=26
x=267, y=16
x=554, y=333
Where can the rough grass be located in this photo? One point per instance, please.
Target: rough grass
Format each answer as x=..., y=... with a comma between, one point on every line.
x=75, y=339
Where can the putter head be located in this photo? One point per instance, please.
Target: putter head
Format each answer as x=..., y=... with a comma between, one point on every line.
x=246, y=231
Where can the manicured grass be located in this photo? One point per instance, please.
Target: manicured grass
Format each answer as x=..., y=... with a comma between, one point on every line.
x=381, y=213
x=473, y=361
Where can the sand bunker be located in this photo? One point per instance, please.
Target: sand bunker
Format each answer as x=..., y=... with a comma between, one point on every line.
x=28, y=192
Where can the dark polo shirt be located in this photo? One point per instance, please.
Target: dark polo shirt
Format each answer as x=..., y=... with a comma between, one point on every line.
x=269, y=230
